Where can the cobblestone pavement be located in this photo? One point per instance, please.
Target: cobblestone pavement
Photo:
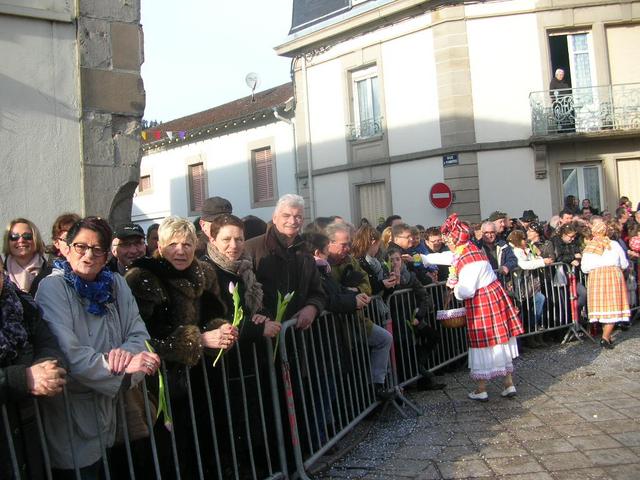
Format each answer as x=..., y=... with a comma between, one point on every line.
x=576, y=416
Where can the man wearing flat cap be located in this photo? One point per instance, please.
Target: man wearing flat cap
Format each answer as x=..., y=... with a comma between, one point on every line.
x=501, y=221
x=211, y=208
x=127, y=246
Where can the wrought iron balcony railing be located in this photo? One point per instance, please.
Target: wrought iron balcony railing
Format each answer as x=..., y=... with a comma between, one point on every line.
x=585, y=109
x=365, y=129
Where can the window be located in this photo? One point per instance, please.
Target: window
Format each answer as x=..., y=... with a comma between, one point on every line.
x=583, y=181
x=366, y=103
x=262, y=170
x=197, y=186
x=144, y=186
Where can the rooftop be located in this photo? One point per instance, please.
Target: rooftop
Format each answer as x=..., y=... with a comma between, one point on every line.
x=243, y=110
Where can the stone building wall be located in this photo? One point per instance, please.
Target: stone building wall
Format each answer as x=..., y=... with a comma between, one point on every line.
x=111, y=51
x=71, y=101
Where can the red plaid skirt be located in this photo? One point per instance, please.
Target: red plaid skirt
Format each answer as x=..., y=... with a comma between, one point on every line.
x=491, y=317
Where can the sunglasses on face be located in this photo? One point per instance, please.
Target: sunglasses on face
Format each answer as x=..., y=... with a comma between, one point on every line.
x=14, y=237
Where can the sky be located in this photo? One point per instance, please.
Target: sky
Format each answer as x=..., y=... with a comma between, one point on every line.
x=198, y=52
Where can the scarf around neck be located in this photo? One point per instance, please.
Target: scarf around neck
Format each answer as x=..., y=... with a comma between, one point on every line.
x=23, y=277
x=99, y=292
x=242, y=268
x=600, y=242
x=13, y=335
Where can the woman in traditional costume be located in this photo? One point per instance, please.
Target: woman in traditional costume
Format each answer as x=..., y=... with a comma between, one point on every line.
x=492, y=320
x=607, y=298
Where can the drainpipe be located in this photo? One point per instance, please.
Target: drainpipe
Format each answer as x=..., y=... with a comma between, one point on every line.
x=312, y=203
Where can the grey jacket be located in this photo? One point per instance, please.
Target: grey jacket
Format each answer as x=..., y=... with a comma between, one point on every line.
x=84, y=339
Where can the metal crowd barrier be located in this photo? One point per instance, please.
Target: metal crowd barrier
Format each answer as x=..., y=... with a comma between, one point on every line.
x=543, y=297
x=228, y=421
x=226, y=424
x=326, y=374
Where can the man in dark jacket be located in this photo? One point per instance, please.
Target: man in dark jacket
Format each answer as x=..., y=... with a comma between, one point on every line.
x=282, y=266
x=498, y=252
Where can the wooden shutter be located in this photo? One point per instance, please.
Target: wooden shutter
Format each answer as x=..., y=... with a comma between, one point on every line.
x=263, y=190
x=197, y=186
x=145, y=183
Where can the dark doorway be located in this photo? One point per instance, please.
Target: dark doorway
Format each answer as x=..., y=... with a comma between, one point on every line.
x=559, y=53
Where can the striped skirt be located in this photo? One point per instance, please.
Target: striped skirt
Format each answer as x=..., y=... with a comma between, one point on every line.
x=607, y=298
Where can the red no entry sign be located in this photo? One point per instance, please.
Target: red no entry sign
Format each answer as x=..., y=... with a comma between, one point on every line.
x=440, y=195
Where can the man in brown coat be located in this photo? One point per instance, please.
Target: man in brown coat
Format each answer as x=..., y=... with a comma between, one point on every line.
x=282, y=266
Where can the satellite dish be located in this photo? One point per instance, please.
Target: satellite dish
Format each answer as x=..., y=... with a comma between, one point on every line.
x=252, y=80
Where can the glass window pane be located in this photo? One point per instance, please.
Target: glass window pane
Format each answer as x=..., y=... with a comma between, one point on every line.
x=375, y=94
x=365, y=108
x=592, y=185
x=569, y=182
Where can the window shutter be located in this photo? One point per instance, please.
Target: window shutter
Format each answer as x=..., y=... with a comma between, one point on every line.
x=197, y=183
x=145, y=183
x=263, y=190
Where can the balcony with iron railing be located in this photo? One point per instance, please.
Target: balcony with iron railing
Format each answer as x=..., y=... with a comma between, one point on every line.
x=586, y=110
x=365, y=129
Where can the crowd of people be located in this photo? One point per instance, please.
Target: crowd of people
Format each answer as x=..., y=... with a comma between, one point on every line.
x=99, y=308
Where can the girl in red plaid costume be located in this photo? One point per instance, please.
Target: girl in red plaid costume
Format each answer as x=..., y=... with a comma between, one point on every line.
x=607, y=298
x=492, y=320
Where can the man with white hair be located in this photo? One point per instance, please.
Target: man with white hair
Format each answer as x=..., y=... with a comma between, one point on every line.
x=562, y=102
x=282, y=266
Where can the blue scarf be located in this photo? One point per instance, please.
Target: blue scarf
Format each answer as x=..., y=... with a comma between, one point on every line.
x=13, y=335
x=98, y=292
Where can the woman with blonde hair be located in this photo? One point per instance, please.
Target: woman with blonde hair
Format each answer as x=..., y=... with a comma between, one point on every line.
x=179, y=301
x=24, y=255
x=607, y=299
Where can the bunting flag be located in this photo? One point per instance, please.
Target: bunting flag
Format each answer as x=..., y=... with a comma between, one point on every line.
x=157, y=134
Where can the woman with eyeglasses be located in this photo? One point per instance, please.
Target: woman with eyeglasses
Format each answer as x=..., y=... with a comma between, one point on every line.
x=24, y=255
x=95, y=318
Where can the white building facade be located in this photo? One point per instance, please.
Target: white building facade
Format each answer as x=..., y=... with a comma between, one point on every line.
x=242, y=151
x=394, y=96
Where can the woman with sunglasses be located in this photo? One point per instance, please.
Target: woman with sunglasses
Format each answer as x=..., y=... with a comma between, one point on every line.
x=95, y=318
x=24, y=255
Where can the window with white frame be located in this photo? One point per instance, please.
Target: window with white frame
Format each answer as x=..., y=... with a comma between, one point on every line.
x=366, y=103
x=263, y=175
x=583, y=181
x=197, y=186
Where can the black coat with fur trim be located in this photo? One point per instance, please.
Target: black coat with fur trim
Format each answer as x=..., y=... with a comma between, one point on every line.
x=176, y=305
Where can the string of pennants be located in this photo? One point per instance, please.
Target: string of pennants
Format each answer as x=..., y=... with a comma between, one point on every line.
x=157, y=134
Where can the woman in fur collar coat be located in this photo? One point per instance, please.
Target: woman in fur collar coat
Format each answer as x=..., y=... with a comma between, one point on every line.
x=179, y=297
x=179, y=301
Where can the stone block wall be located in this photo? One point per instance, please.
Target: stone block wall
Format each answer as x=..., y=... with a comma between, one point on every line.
x=110, y=45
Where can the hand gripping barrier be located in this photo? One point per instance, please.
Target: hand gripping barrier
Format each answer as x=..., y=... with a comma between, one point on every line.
x=326, y=374
x=228, y=421
x=226, y=424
